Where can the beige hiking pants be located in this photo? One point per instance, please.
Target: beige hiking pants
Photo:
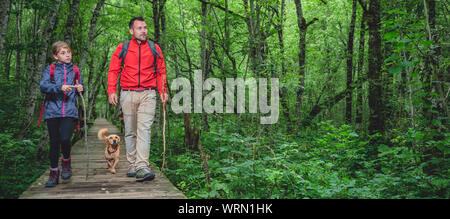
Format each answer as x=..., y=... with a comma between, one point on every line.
x=138, y=112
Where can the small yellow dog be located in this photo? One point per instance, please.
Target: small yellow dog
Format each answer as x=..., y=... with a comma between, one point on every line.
x=112, y=149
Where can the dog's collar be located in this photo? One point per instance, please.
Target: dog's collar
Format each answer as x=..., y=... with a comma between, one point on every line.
x=109, y=152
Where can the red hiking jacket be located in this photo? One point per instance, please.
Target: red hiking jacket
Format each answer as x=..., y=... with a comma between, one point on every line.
x=138, y=72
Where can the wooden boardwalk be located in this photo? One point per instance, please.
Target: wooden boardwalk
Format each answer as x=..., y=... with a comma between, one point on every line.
x=101, y=184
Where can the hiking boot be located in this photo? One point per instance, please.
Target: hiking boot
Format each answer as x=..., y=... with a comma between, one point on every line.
x=66, y=172
x=143, y=174
x=53, y=178
x=131, y=171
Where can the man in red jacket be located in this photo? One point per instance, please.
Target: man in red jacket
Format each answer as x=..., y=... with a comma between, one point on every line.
x=138, y=83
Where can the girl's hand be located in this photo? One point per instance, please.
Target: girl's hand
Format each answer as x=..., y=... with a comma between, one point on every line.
x=79, y=87
x=66, y=88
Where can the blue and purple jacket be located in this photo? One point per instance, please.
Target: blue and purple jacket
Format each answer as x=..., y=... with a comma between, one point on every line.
x=58, y=103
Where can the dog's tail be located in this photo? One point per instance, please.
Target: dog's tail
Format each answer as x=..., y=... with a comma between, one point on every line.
x=101, y=134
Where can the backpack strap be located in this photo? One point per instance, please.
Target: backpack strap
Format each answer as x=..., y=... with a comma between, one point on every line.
x=76, y=70
x=42, y=112
x=122, y=56
x=52, y=72
x=124, y=51
x=76, y=80
x=155, y=53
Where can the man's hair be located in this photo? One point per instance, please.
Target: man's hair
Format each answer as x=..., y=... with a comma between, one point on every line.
x=133, y=19
x=56, y=47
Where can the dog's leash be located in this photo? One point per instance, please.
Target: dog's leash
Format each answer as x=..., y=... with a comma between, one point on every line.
x=85, y=135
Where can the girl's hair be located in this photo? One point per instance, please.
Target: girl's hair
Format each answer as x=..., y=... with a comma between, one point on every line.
x=58, y=45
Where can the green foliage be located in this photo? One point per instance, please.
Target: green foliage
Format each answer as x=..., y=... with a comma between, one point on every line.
x=245, y=159
x=19, y=165
x=20, y=160
x=331, y=162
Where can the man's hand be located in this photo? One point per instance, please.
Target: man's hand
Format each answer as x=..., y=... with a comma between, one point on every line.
x=112, y=98
x=164, y=97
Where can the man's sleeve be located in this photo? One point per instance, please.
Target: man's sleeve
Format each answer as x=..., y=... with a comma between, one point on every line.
x=161, y=74
x=114, y=69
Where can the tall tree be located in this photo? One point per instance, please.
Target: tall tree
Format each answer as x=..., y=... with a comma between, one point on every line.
x=432, y=69
x=73, y=16
x=351, y=33
x=258, y=32
x=5, y=6
x=159, y=20
x=91, y=34
x=279, y=27
x=376, y=118
x=41, y=62
x=204, y=59
x=19, y=45
x=91, y=37
x=303, y=27
x=361, y=70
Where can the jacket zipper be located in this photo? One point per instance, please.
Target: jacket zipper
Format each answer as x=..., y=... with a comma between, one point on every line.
x=64, y=100
x=139, y=72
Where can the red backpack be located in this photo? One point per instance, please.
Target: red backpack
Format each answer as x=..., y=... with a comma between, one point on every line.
x=52, y=76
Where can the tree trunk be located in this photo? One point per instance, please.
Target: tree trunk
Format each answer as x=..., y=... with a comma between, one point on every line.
x=158, y=19
x=91, y=37
x=187, y=130
x=351, y=33
x=328, y=103
x=30, y=54
x=433, y=66
x=95, y=88
x=301, y=22
x=204, y=59
x=376, y=118
x=7, y=67
x=283, y=94
x=227, y=41
x=189, y=133
x=19, y=47
x=361, y=72
x=68, y=35
x=303, y=26
x=91, y=34
x=42, y=55
x=159, y=25
x=5, y=7
x=252, y=29
x=162, y=18
x=204, y=161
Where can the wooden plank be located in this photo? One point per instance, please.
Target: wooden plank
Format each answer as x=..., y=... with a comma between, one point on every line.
x=101, y=184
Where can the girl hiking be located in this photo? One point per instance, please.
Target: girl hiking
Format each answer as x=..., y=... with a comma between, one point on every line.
x=61, y=83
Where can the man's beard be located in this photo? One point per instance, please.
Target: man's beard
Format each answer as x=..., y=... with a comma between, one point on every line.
x=141, y=38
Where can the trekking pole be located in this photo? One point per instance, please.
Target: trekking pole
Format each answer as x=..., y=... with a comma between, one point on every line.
x=164, y=138
x=164, y=128
x=85, y=135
